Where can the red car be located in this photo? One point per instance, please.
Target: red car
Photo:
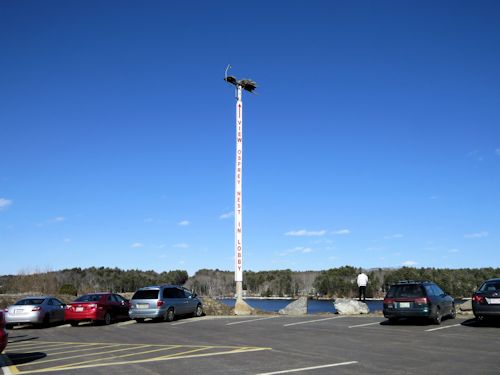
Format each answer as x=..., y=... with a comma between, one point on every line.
x=97, y=307
x=4, y=336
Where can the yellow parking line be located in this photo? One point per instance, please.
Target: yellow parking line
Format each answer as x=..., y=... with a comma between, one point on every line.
x=93, y=347
x=148, y=360
x=86, y=355
x=61, y=345
x=24, y=343
x=5, y=361
x=39, y=346
x=186, y=352
x=35, y=344
x=118, y=356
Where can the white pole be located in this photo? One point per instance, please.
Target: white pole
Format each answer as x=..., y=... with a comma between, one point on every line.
x=238, y=197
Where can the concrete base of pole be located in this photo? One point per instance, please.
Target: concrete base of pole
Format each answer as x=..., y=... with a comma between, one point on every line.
x=241, y=307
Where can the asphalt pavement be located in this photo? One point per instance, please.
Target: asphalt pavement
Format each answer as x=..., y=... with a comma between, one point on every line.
x=325, y=344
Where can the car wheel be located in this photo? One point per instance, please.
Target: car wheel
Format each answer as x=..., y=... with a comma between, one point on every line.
x=73, y=324
x=437, y=319
x=107, y=319
x=46, y=320
x=169, y=315
x=9, y=326
x=139, y=320
x=198, y=312
x=453, y=313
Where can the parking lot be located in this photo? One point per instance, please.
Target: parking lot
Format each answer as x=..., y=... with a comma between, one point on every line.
x=326, y=344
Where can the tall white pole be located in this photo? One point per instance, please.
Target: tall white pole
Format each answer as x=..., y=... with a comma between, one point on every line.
x=238, y=197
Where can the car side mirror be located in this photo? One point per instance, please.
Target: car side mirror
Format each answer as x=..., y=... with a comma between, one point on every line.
x=195, y=295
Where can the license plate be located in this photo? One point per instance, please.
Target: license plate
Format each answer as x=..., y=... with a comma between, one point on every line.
x=18, y=311
x=404, y=305
x=79, y=309
x=493, y=301
x=142, y=305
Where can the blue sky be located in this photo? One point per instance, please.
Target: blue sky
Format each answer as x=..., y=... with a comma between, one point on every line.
x=374, y=139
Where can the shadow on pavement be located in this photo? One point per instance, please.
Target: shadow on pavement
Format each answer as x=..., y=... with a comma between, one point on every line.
x=482, y=323
x=21, y=358
x=421, y=322
x=21, y=338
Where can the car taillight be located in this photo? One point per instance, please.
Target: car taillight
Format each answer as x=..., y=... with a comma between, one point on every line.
x=37, y=308
x=389, y=302
x=478, y=299
x=6, y=309
x=159, y=303
x=421, y=301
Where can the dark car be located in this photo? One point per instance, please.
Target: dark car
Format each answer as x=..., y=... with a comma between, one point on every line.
x=164, y=302
x=97, y=307
x=4, y=336
x=418, y=299
x=486, y=300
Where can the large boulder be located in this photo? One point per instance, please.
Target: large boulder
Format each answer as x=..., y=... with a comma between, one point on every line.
x=465, y=307
x=346, y=306
x=298, y=307
x=243, y=308
x=214, y=307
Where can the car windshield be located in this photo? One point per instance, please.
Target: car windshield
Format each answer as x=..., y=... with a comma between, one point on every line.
x=89, y=298
x=406, y=291
x=146, y=294
x=490, y=286
x=30, y=301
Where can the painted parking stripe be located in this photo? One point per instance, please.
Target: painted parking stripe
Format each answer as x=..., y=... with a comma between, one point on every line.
x=186, y=321
x=32, y=345
x=167, y=347
x=6, y=364
x=436, y=329
x=126, y=323
x=251, y=320
x=309, y=368
x=311, y=321
x=89, y=347
x=85, y=355
x=182, y=355
x=364, y=325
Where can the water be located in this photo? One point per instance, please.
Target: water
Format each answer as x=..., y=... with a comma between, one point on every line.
x=313, y=306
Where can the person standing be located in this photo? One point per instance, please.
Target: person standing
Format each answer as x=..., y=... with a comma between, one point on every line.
x=362, y=280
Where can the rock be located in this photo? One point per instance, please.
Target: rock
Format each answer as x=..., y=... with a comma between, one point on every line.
x=466, y=306
x=346, y=306
x=298, y=307
x=243, y=308
x=214, y=307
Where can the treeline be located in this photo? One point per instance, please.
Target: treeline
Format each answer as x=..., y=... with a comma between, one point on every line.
x=264, y=283
x=335, y=282
x=77, y=281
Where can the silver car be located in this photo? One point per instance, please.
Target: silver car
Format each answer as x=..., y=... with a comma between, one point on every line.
x=41, y=310
x=164, y=302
